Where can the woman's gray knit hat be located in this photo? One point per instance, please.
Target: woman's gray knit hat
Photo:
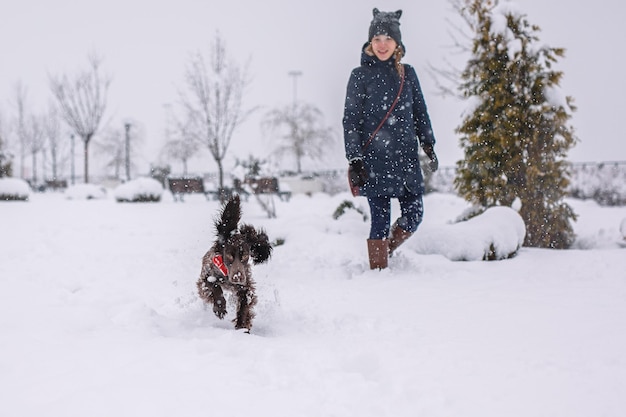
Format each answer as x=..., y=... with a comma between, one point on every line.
x=386, y=23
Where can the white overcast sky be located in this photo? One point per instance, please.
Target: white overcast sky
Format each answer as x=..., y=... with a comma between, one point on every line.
x=145, y=45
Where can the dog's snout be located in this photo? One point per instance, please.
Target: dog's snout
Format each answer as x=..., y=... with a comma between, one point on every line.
x=237, y=273
x=237, y=278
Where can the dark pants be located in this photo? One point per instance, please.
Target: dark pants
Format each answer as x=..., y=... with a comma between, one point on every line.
x=411, y=206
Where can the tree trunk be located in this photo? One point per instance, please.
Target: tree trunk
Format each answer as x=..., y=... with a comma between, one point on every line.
x=221, y=179
x=86, y=158
x=34, y=179
x=54, y=163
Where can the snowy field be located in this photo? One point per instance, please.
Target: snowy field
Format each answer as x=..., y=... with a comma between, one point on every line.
x=99, y=317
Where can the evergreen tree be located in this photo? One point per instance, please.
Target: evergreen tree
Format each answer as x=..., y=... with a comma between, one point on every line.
x=515, y=137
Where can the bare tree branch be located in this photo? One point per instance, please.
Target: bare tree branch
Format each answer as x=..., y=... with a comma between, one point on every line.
x=300, y=130
x=212, y=101
x=448, y=77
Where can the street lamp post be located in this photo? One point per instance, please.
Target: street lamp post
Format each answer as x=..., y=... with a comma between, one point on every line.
x=72, y=161
x=127, y=126
x=295, y=74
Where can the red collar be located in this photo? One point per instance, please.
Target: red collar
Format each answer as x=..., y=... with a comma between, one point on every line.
x=219, y=263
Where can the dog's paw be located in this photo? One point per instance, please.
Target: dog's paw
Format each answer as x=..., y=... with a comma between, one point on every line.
x=219, y=308
x=243, y=330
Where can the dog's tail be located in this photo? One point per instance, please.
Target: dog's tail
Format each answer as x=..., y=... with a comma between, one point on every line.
x=226, y=225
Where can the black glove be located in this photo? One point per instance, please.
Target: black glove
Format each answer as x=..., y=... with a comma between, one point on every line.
x=430, y=152
x=357, y=173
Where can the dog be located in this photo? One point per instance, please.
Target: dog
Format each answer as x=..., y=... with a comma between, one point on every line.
x=226, y=266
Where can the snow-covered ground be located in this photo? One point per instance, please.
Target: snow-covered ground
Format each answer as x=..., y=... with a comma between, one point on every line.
x=99, y=317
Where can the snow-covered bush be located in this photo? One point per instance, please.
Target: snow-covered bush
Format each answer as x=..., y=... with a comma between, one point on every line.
x=85, y=192
x=14, y=189
x=140, y=190
x=496, y=234
x=346, y=206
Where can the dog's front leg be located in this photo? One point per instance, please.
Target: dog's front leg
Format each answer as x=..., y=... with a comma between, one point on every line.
x=211, y=293
x=246, y=300
x=219, y=302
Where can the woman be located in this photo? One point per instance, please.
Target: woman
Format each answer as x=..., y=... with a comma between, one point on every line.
x=384, y=118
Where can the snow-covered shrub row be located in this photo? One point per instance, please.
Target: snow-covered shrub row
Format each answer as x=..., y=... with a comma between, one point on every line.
x=14, y=189
x=140, y=190
x=442, y=180
x=85, y=192
x=602, y=182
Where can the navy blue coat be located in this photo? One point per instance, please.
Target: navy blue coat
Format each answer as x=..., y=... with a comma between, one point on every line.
x=392, y=157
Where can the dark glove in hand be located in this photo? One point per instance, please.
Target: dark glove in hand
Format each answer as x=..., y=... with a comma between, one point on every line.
x=358, y=173
x=430, y=152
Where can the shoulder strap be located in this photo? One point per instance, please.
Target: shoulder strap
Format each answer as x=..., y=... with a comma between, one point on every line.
x=388, y=112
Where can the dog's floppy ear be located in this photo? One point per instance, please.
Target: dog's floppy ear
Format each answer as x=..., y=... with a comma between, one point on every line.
x=260, y=247
x=226, y=225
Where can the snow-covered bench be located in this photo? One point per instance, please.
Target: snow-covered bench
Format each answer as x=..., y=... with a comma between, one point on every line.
x=268, y=185
x=181, y=186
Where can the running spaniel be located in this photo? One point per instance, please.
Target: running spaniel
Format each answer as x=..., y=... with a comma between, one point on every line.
x=226, y=266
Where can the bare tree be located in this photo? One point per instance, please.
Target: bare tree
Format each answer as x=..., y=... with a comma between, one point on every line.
x=35, y=140
x=212, y=102
x=112, y=145
x=116, y=145
x=20, y=102
x=181, y=150
x=181, y=144
x=299, y=127
x=59, y=155
x=82, y=100
x=30, y=131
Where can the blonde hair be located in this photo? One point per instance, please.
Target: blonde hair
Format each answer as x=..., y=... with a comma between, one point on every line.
x=397, y=56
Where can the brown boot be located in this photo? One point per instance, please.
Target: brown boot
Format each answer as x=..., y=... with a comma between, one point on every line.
x=398, y=237
x=378, y=252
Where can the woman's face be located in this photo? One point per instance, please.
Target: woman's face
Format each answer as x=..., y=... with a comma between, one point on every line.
x=383, y=46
